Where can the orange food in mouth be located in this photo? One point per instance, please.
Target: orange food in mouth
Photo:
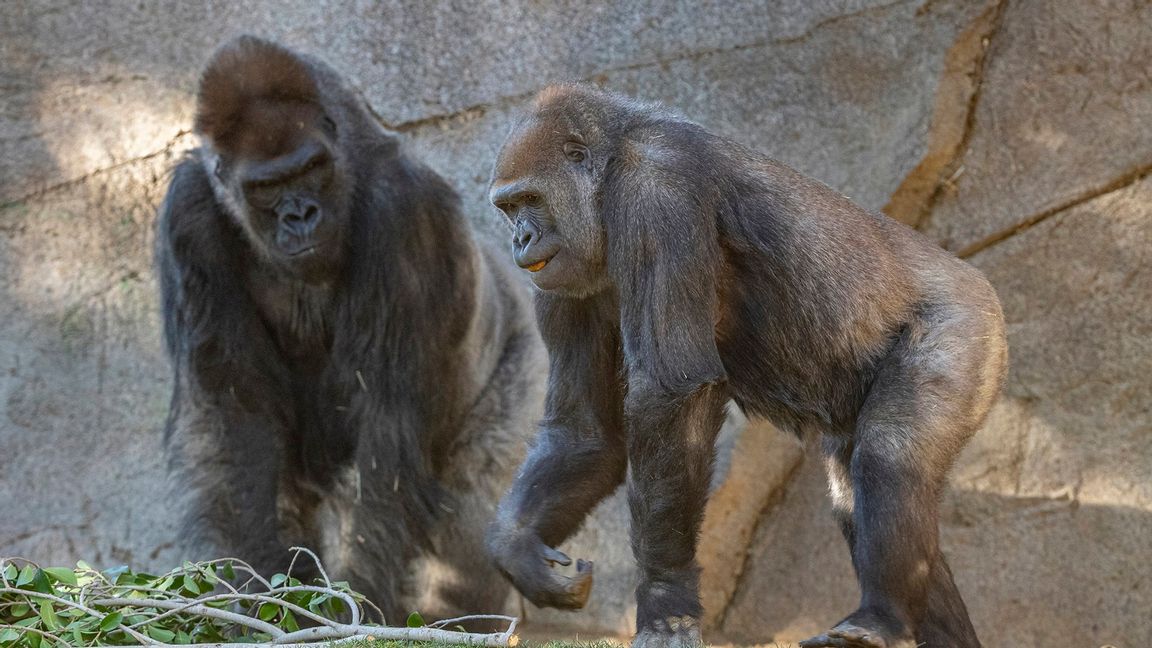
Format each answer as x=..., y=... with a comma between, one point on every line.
x=536, y=267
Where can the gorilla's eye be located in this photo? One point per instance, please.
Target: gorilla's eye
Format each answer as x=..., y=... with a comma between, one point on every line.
x=263, y=194
x=575, y=151
x=315, y=163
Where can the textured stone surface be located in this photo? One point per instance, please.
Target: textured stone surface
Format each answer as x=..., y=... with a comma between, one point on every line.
x=798, y=579
x=1065, y=109
x=1076, y=419
x=83, y=385
x=1016, y=132
x=72, y=70
x=761, y=463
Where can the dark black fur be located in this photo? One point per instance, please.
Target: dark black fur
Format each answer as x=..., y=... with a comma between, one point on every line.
x=359, y=405
x=681, y=270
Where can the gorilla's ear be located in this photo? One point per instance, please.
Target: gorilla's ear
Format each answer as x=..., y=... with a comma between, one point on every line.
x=664, y=256
x=245, y=72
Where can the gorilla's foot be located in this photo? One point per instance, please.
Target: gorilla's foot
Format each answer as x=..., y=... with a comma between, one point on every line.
x=672, y=632
x=856, y=634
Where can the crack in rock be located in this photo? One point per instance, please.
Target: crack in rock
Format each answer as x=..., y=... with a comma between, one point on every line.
x=1122, y=182
x=953, y=121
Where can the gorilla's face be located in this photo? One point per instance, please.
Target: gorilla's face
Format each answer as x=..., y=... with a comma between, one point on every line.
x=286, y=187
x=545, y=184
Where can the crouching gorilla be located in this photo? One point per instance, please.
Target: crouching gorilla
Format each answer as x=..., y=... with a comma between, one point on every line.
x=350, y=365
x=677, y=270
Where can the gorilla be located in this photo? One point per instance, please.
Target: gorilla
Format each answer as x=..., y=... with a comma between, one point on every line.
x=678, y=270
x=353, y=371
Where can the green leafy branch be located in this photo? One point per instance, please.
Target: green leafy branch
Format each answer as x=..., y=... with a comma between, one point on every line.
x=208, y=603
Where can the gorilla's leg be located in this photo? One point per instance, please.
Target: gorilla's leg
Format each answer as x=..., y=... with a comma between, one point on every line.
x=460, y=579
x=670, y=451
x=225, y=468
x=837, y=453
x=919, y=412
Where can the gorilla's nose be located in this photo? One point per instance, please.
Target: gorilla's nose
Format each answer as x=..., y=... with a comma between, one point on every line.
x=300, y=216
x=526, y=232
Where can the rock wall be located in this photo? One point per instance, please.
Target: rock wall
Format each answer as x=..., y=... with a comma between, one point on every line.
x=1018, y=133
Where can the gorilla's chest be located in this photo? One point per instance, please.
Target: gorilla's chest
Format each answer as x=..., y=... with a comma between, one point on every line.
x=300, y=318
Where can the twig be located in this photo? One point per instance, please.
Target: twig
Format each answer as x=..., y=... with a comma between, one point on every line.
x=315, y=559
x=258, y=598
x=400, y=634
x=473, y=617
x=196, y=608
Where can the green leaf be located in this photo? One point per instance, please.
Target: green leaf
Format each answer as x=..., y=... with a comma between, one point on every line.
x=183, y=638
x=26, y=575
x=289, y=622
x=83, y=566
x=415, y=620
x=115, y=572
x=32, y=640
x=10, y=572
x=208, y=575
x=111, y=621
x=160, y=634
x=227, y=572
x=277, y=580
x=48, y=616
x=62, y=575
x=142, y=578
x=169, y=581
x=299, y=598
x=8, y=635
x=268, y=611
x=191, y=586
x=40, y=583
x=316, y=603
x=19, y=610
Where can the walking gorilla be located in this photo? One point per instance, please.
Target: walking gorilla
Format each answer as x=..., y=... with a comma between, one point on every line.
x=350, y=366
x=678, y=270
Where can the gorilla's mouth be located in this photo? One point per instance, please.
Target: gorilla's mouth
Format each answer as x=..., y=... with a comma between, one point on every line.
x=306, y=250
x=536, y=266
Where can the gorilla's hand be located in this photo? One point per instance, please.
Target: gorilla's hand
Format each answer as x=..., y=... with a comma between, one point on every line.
x=528, y=563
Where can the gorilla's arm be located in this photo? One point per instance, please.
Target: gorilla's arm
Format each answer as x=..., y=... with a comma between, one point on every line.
x=676, y=381
x=578, y=457
x=224, y=426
